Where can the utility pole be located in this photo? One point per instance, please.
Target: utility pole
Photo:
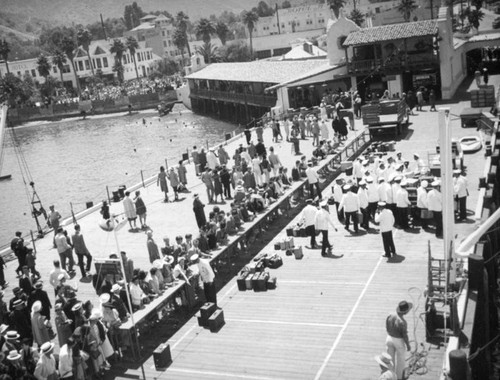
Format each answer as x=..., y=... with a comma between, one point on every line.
x=103, y=28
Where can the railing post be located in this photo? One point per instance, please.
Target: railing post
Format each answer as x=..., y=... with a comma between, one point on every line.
x=142, y=179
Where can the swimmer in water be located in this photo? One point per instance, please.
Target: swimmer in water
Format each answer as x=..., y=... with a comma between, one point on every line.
x=144, y=121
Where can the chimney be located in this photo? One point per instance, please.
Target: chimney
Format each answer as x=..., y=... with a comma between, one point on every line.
x=308, y=47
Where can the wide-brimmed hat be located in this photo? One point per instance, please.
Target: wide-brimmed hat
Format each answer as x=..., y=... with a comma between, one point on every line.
x=18, y=303
x=381, y=204
x=404, y=307
x=14, y=355
x=436, y=183
x=157, y=264
x=194, y=257
x=369, y=179
x=77, y=306
x=12, y=335
x=116, y=288
x=47, y=347
x=38, y=284
x=61, y=277
x=104, y=297
x=37, y=306
x=424, y=183
x=169, y=259
x=385, y=360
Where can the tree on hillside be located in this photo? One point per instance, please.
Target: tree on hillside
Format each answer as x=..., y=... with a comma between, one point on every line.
x=222, y=32
x=473, y=15
x=132, y=15
x=83, y=39
x=43, y=66
x=180, y=42
x=204, y=29
x=59, y=59
x=357, y=17
x=181, y=22
x=132, y=46
x=249, y=19
x=14, y=90
x=235, y=52
x=286, y=4
x=406, y=7
x=118, y=48
x=4, y=53
x=335, y=6
x=165, y=67
x=263, y=9
x=68, y=46
x=113, y=28
x=51, y=38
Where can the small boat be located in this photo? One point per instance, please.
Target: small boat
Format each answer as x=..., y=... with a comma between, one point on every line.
x=165, y=109
x=470, y=144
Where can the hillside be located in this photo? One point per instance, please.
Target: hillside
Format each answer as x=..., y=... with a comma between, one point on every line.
x=87, y=11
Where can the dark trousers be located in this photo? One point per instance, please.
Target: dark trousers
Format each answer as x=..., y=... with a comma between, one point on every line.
x=227, y=189
x=372, y=208
x=340, y=213
x=402, y=217
x=67, y=256
x=325, y=243
x=311, y=190
x=354, y=216
x=418, y=218
x=210, y=292
x=2, y=277
x=388, y=243
x=462, y=208
x=81, y=263
x=366, y=217
x=311, y=231
x=438, y=222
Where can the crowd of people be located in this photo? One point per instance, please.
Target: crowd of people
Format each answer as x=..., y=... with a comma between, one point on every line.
x=141, y=86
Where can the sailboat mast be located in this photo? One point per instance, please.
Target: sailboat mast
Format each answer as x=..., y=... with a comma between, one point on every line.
x=3, y=126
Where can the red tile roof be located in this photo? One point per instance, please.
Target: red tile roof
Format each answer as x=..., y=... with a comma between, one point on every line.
x=392, y=32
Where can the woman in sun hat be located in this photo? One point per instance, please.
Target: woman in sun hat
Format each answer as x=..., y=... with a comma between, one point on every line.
x=397, y=336
x=39, y=325
x=46, y=365
x=386, y=367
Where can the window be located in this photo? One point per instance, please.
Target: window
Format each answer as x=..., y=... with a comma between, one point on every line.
x=54, y=69
x=165, y=43
x=33, y=73
x=18, y=73
x=80, y=65
x=105, y=62
x=93, y=62
x=139, y=57
x=169, y=43
x=168, y=33
x=66, y=69
x=163, y=33
x=26, y=72
x=87, y=65
x=377, y=10
x=99, y=63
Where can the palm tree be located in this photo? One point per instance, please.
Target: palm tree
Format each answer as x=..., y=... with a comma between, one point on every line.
x=118, y=48
x=4, y=53
x=357, y=17
x=209, y=52
x=179, y=40
x=205, y=29
x=249, y=19
x=335, y=6
x=181, y=21
x=43, y=66
x=83, y=39
x=222, y=32
x=68, y=46
x=405, y=7
x=59, y=59
x=132, y=46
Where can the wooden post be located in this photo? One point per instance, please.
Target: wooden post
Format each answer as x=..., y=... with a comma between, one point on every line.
x=72, y=213
x=33, y=241
x=142, y=179
x=187, y=151
x=166, y=164
x=107, y=192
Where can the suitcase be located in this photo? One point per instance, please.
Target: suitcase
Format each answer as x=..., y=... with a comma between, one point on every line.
x=162, y=356
x=298, y=253
x=241, y=281
x=248, y=281
x=261, y=282
x=275, y=262
x=207, y=310
x=277, y=246
x=259, y=267
x=216, y=321
x=302, y=232
x=283, y=245
x=289, y=232
x=255, y=277
x=271, y=283
x=202, y=322
x=289, y=243
x=289, y=252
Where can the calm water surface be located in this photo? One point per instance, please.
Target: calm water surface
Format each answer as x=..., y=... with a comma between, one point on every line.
x=74, y=160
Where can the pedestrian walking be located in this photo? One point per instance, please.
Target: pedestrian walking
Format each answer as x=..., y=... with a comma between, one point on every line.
x=130, y=213
x=64, y=249
x=461, y=192
x=206, y=178
x=321, y=223
x=308, y=220
x=82, y=252
x=350, y=205
x=182, y=173
x=17, y=246
x=154, y=252
x=385, y=219
x=432, y=100
x=53, y=220
x=39, y=325
x=397, y=336
x=162, y=182
x=140, y=209
x=199, y=212
x=196, y=160
x=435, y=204
x=174, y=182
x=38, y=294
x=313, y=179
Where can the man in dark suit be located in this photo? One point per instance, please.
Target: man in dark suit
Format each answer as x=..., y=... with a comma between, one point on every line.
x=40, y=295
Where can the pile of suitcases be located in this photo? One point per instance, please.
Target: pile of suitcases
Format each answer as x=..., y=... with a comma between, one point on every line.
x=211, y=317
x=257, y=281
x=289, y=247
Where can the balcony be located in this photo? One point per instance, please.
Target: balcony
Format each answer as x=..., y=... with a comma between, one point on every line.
x=412, y=62
x=234, y=97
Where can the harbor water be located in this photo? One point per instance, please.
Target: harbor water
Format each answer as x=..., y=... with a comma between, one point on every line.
x=72, y=161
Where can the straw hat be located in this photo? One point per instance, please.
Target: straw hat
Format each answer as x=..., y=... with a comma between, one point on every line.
x=12, y=335
x=404, y=307
x=104, y=297
x=385, y=360
x=168, y=259
x=47, y=347
x=14, y=355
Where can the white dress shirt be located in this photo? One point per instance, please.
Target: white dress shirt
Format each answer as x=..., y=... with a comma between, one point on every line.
x=309, y=215
x=402, y=198
x=372, y=191
x=435, y=200
x=206, y=272
x=460, y=186
x=136, y=294
x=385, y=218
x=312, y=176
x=349, y=202
x=323, y=220
x=421, y=197
x=363, y=198
x=337, y=193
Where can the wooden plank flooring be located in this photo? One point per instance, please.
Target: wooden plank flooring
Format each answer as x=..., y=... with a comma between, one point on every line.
x=326, y=319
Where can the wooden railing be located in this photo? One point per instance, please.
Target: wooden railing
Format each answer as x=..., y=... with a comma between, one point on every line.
x=227, y=96
x=411, y=61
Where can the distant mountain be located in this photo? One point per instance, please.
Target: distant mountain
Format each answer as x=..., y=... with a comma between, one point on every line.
x=87, y=11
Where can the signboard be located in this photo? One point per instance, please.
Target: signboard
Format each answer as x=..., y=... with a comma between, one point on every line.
x=424, y=80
